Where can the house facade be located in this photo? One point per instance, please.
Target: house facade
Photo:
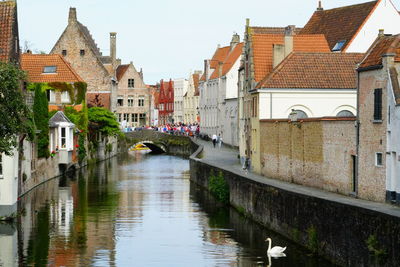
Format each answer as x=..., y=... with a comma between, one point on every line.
x=79, y=49
x=180, y=89
x=133, y=98
x=378, y=121
x=166, y=103
x=191, y=99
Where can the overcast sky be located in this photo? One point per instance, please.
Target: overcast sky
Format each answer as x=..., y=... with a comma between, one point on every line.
x=167, y=38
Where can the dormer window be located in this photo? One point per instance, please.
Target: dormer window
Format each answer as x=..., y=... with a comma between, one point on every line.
x=338, y=46
x=50, y=69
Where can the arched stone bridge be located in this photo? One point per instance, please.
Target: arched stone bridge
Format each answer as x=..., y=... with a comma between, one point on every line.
x=161, y=142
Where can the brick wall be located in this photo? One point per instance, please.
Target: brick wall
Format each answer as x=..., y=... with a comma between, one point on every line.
x=315, y=152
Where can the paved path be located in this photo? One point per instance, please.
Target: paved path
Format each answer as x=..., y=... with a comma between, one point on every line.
x=226, y=158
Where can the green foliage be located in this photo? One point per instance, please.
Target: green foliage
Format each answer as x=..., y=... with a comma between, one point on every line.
x=16, y=117
x=102, y=120
x=76, y=91
x=312, y=240
x=219, y=187
x=81, y=148
x=80, y=91
x=374, y=247
x=41, y=115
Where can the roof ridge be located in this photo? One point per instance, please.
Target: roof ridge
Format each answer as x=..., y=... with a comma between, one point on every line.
x=343, y=7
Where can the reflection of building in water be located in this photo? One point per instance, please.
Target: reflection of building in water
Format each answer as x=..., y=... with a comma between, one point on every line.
x=62, y=211
x=8, y=245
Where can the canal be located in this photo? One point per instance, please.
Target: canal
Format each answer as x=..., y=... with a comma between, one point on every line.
x=136, y=209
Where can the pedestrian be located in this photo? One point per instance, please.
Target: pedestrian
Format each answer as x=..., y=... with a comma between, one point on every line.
x=219, y=139
x=214, y=139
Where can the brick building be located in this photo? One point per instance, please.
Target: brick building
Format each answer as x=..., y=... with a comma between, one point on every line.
x=78, y=48
x=166, y=103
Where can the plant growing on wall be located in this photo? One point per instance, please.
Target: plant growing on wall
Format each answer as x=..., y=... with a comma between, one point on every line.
x=41, y=115
x=219, y=187
x=76, y=91
x=16, y=118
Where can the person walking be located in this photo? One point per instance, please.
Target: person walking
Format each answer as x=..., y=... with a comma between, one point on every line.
x=214, y=139
x=219, y=139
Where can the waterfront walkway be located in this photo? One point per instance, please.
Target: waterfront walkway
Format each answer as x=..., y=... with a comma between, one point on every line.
x=226, y=158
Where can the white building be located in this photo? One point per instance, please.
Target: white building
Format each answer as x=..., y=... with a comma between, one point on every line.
x=191, y=99
x=218, y=92
x=8, y=184
x=180, y=89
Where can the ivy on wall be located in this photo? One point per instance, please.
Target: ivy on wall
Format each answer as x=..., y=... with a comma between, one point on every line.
x=41, y=116
x=76, y=91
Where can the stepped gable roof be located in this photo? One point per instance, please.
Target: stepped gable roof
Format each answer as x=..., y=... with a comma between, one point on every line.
x=315, y=70
x=262, y=45
x=9, y=31
x=57, y=118
x=86, y=33
x=34, y=65
x=121, y=71
x=386, y=44
x=196, y=80
x=339, y=24
x=228, y=61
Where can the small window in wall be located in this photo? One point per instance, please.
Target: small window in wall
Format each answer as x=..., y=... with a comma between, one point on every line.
x=378, y=104
x=119, y=117
x=63, y=137
x=378, y=159
x=120, y=101
x=64, y=53
x=345, y=113
x=82, y=52
x=126, y=117
x=65, y=97
x=141, y=101
x=130, y=101
x=50, y=69
x=51, y=96
x=131, y=83
x=135, y=117
x=1, y=166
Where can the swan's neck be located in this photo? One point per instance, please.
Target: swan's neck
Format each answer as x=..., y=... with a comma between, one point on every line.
x=269, y=244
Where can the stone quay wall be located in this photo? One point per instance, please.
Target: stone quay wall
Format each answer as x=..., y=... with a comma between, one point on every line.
x=340, y=229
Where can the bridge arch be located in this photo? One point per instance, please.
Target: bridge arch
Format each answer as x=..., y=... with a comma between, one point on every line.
x=154, y=147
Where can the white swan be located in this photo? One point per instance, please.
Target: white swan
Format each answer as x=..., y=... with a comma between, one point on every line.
x=275, y=251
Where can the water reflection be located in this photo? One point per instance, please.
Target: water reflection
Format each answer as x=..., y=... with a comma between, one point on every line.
x=135, y=210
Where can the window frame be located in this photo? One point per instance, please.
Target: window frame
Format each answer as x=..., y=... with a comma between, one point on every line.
x=131, y=83
x=377, y=159
x=378, y=105
x=49, y=69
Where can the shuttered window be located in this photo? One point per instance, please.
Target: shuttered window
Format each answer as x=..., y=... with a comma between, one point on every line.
x=378, y=104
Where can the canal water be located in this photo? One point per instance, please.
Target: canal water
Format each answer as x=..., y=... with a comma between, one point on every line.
x=136, y=209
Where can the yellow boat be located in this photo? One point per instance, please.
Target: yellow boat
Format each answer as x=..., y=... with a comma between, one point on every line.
x=140, y=147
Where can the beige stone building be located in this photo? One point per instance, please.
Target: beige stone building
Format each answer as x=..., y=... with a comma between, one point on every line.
x=79, y=49
x=133, y=97
x=191, y=99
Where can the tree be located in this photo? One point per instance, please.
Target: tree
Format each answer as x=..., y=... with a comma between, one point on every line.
x=15, y=117
x=104, y=121
x=41, y=113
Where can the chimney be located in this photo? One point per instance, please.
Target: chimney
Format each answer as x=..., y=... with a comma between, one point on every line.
x=320, y=8
x=206, y=64
x=289, y=33
x=140, y=73
x=72, y=15
x=381, y=32
x=235, y=41
x=278, y=54
x=113, y=47
x=220, y=65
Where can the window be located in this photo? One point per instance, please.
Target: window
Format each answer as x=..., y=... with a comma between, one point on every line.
x=338, y=46
x=82, y=52
x=50, y=69
x=345, y=113
x=51, y=97
x=126, y=117
x=1, y=166
x=65, y=97
x=135, y=117
x=120, y=101
x=63, y=137
x=378, y=159
x=378, y=104
x=64, y=53
x=141, y=101
x=130, y=101
x=131, y=83
x=119, y=117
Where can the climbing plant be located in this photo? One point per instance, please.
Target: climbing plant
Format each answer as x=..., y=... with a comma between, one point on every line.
x=16, y=118
x=76, y=91
x=41, y=116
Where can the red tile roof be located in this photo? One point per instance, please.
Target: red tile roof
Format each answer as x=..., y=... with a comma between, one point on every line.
x=219, y=56
x=339, y=24
x=228, y=61
x=315, y=70
x=263, y=49
x=9, y=31
x=34, y=65
x=121, y=71
x=387, y=44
